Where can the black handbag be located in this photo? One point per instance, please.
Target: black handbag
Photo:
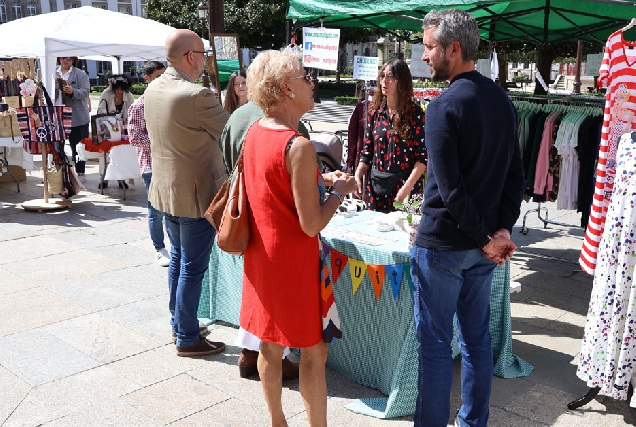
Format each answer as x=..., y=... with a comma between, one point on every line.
x=385, y=183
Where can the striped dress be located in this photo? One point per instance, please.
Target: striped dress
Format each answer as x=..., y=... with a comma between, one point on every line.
x=618, y=75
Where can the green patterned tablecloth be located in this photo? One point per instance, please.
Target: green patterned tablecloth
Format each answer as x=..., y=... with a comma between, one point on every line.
x=378, y=348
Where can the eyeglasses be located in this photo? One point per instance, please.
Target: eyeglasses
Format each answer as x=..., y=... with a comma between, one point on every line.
x=197, y=51
x=307, y=78
x=388, y=77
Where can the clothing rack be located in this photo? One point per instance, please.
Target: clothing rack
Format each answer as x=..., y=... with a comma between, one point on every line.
x=574, y=103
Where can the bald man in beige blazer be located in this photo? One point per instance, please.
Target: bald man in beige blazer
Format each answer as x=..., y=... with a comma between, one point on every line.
x=184, y=122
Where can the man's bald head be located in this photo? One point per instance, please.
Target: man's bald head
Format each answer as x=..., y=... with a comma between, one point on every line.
x=180, y=42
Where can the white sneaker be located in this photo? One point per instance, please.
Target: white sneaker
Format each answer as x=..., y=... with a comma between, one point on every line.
x=162, y=257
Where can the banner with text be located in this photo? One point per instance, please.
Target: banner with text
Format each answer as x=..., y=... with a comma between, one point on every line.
x=320, y=48
x=365, y=67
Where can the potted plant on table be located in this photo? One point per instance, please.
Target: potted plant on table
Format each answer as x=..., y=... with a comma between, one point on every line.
x=411, y=220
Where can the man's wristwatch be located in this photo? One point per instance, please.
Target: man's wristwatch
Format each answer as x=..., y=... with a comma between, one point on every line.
x=338, y=195
x=485, y=242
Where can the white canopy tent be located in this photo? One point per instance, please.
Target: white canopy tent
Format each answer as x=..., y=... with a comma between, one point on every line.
x=87, y=32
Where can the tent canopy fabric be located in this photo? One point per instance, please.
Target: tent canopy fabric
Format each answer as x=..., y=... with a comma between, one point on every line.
x=83, y=31
x=88, y=32
x=537, y=22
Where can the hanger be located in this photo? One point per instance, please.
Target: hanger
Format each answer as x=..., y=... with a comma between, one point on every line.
x=630, y=25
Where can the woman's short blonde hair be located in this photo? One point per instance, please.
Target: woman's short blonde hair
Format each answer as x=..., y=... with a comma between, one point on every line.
x=266, y=73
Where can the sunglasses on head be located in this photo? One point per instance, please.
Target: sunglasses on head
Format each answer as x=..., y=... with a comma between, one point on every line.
x=68, y=58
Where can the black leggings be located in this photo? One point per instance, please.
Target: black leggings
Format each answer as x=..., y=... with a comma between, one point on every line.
x=77, y=134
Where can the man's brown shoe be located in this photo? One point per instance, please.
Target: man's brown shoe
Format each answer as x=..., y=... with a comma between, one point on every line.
x=247, y=363
x=201, y=348
x=290, y=369
x=203, y=332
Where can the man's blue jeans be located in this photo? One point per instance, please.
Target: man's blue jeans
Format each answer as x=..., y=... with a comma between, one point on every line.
x=445, y=283
x=155, y=218
x=191, y=240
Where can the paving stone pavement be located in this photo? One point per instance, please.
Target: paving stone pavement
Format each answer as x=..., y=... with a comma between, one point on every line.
x=85, y=338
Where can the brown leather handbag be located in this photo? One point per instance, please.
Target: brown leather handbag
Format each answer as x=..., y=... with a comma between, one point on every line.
x=228, y=212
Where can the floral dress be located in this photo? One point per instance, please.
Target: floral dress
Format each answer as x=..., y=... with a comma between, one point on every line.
x=608, y=350
x=385, y=151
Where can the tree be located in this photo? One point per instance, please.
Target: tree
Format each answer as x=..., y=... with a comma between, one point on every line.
x=176, y=13
x=260, y=24
x=543, y=56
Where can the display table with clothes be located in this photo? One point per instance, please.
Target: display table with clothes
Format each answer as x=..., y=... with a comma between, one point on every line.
x=375, y=305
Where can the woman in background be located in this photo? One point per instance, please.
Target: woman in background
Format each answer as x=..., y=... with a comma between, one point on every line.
x=355, y=132
x=236, y=94
x=116, y=99
x=394, y=152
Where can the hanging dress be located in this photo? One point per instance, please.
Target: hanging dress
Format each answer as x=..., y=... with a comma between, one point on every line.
x=608, y=351
x=618, y=74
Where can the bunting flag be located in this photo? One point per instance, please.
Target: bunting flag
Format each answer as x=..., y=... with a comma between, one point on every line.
x=325, y=251
x=376, y=275
x=409, y=279
x=395, y=277
x=338, y=263
x=330, y=321
x=357, y=269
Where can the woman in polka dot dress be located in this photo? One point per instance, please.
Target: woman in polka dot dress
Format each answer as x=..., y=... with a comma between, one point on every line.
x=394, y=141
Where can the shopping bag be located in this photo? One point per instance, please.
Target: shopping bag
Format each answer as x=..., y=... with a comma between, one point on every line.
x=9, y=127
x=45, y=123
x=13, y=101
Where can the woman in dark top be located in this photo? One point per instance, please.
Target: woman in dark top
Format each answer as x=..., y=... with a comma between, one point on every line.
x=116, y=99
x=394, y=152
x=355, y=132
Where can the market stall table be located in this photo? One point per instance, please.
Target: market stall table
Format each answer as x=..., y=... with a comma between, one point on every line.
x=123, y=160
x=14, y=143
x=378, y=348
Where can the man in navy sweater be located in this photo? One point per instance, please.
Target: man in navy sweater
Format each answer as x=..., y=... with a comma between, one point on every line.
x=472, y=199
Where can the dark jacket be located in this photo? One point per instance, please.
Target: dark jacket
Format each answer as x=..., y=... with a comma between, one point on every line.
x=475, y=175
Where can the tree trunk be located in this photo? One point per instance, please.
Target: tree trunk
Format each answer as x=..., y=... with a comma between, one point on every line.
x=544, y=64
x=503, y=70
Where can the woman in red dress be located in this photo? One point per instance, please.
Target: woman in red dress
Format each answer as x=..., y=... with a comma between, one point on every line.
x=288, y=208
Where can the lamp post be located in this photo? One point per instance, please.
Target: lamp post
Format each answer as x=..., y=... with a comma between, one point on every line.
x=202, y=9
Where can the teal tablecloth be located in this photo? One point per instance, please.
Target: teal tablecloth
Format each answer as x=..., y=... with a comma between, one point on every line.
x=378, y=348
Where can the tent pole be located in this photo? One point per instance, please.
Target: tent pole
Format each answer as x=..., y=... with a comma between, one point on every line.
x=577, y=75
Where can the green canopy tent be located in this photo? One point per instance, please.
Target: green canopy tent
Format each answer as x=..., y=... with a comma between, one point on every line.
x=538, y=22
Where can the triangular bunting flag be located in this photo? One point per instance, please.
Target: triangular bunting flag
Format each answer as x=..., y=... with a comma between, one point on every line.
x=409, y=279
x=325, y=250
x=395, y=277
x=338, y=262
x=376, y=275
x=357, y=269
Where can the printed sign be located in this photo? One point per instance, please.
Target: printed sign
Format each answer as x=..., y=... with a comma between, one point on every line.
x=320, y=48
x=419, y=68
x=593, y=64
x=365, y=67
